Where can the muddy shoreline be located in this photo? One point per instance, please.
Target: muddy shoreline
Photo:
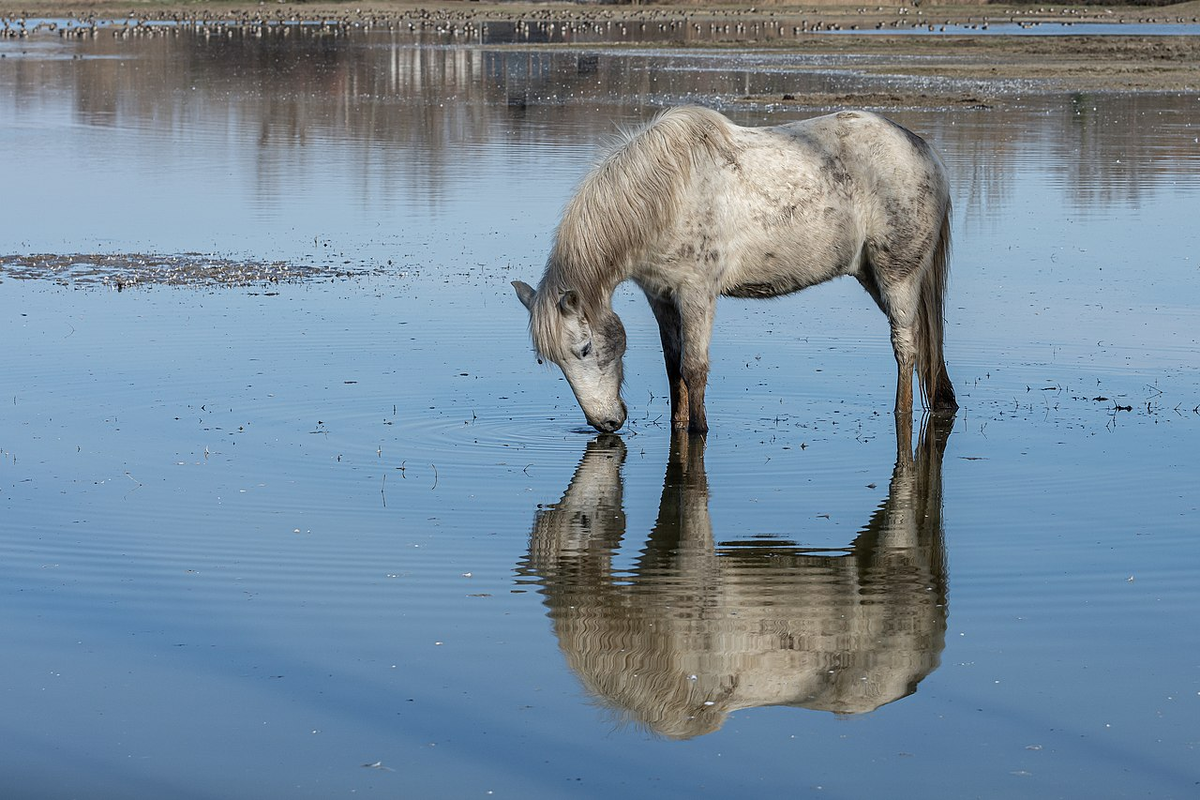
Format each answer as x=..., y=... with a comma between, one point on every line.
x=1004, y=65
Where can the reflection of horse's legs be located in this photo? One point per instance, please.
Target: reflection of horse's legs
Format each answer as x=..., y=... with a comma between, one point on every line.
x=935, y=432
x=931, y=449
x=696, y=311
x=670, y=330
x=681, y=539
x=904, y=452
x=692, y=451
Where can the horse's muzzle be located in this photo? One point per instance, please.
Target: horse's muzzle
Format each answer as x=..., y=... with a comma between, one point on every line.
x=610, y=424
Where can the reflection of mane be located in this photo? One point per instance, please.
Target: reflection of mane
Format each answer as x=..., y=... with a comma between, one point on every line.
x=697, y=630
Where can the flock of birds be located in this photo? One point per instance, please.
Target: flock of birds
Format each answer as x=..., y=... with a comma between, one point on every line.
x=551, y=24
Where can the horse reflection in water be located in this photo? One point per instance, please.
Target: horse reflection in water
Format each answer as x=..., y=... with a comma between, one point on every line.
x=697, y=630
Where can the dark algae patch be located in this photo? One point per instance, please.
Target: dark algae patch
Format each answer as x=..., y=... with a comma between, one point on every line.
x=125, y=270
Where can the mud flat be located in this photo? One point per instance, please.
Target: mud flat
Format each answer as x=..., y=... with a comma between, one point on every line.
x=126, y=270
x=1040, y=63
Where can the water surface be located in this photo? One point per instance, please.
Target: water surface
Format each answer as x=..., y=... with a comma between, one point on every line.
x=339, y=533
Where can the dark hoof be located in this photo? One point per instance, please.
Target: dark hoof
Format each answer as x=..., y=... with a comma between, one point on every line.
x=944, y=401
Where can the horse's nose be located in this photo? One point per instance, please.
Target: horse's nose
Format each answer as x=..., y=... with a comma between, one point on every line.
x=611, y=423
x=607, y=425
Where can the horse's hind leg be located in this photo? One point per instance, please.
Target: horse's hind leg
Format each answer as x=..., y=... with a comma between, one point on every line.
x=900, y=307
x=670, y=330
x=904, y=346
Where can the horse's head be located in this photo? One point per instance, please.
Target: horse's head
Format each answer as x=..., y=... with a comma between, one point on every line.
x=588, y=345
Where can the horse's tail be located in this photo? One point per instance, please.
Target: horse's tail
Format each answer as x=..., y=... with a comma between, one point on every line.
x=936, y=389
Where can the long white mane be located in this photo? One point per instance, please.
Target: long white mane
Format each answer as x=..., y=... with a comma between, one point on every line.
x=619, y=209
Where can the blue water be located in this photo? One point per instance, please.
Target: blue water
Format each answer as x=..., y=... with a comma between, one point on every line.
x=343, y=535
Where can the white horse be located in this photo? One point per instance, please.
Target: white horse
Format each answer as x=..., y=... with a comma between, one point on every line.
x=691, y=207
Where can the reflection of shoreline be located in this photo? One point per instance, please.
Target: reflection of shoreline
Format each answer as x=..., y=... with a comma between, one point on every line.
x=402, y=114
x=1028, y=49
x=697, y=630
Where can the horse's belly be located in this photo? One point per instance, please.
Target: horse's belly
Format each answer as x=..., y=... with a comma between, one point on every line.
x=762, y=289
x=789, y=265
x=774, y=285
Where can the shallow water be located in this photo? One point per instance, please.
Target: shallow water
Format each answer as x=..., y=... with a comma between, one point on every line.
x=342, y=534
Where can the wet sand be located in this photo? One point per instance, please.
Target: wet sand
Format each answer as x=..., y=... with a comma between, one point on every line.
x=1004, y=65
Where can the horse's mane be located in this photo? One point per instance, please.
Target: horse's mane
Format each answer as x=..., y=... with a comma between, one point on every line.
x=626, y=201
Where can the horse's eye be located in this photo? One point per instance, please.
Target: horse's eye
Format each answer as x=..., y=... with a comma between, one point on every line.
x=586, y=351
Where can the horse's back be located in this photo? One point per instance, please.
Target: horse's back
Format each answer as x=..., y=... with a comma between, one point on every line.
x=785, y=207
x=806, y=201
x=867, y=145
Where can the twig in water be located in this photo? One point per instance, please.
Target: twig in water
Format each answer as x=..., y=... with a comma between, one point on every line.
x=435, y=477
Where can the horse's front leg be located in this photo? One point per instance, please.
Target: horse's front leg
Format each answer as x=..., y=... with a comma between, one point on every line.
x=697, y=314
x=670, y=330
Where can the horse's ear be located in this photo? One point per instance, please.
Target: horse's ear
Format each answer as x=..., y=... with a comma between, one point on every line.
x=569, y=303
x=525, y=293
